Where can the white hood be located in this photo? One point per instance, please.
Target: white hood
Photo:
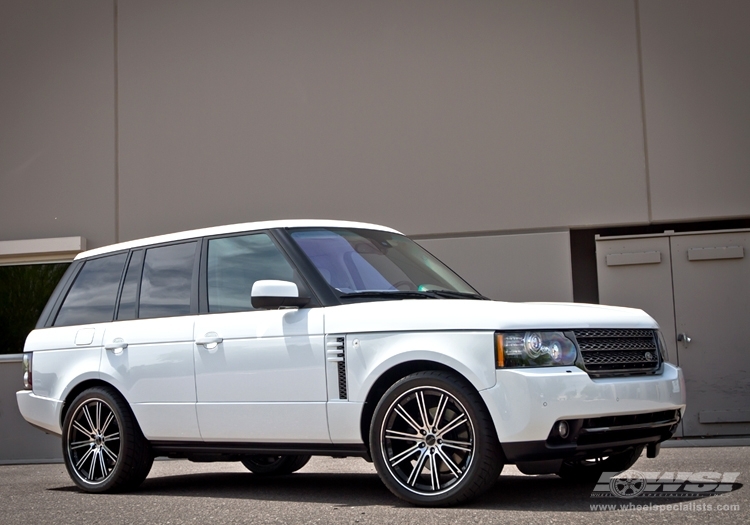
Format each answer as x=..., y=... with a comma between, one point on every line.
x=460, y=314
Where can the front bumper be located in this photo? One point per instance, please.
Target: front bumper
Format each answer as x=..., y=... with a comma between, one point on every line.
x=42, y=412
x=525, y=405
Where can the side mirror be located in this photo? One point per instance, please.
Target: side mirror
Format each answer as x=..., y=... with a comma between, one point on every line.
x=276, y=294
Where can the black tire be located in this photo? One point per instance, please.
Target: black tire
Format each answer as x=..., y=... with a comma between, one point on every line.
x=269, y=465
x=590, y=470
x=103, y=446
x=450, y=436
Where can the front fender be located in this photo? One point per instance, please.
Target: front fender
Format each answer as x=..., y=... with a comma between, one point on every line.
x=369, y=356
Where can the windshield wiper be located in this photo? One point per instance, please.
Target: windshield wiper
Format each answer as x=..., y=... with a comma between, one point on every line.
x=401, y=294
x=459, y=295
x=422, y=294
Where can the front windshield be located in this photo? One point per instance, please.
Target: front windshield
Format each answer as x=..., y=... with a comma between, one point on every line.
x=358, y=260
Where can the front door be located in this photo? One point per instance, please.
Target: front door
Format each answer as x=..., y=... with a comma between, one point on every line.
x=260, y=374
x=265, y=381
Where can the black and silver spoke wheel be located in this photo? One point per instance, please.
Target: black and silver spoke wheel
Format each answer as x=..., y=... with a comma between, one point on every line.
x=271, y=465
x=93, y=441
x=433, y=442
x=103, y=447
x=428, y=440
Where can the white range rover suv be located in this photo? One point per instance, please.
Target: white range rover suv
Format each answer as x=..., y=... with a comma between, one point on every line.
x=269, y=342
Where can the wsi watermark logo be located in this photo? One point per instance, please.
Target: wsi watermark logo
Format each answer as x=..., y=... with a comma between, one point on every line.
x=636, y=484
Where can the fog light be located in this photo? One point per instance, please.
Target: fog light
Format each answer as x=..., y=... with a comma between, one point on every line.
x=562, y=429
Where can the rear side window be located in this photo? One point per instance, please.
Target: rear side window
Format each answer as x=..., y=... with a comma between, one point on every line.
x=167, y=281
x=235, y=263
x=92, y=297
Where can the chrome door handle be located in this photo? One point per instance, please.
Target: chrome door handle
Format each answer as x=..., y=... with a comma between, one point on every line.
x=117, y=345
x=684, y=339
x=211, y=340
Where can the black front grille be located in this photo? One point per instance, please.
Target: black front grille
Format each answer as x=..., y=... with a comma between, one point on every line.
x=618, y=351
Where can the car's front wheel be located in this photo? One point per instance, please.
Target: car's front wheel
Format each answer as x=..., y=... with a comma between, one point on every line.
x=433, y=442
x=103, y=447
x=268, y=465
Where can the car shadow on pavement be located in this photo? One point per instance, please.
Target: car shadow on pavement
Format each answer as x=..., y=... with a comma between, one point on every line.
x=539, y=493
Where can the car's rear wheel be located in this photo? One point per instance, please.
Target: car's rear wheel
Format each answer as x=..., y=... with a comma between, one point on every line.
x=270, y=465
x=103, y=448
x=433, y=442
x=591, y=469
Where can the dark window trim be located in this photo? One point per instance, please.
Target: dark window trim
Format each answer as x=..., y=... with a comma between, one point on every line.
x=315, y=302
x=122, y=283
x=194, y=284
x=203, y=278
x=132, y=254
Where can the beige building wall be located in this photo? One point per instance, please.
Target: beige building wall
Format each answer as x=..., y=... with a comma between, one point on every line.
x=696, y=75
x=522, y=267
x=426, y=116
x=126, y=118
x=57, y=120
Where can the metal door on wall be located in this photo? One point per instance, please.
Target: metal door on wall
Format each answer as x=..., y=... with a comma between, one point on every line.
x=697, y=287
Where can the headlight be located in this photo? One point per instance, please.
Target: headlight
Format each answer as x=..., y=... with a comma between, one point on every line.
x=27, y=379
x=514, y=349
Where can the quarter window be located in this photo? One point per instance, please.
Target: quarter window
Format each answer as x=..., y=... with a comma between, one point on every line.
x=167, y=281
x=92, y=297
x=235, y=263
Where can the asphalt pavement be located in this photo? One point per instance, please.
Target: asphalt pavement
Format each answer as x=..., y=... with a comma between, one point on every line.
x=348, y=491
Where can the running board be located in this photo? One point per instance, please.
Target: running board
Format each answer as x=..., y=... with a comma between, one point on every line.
x=202, y=448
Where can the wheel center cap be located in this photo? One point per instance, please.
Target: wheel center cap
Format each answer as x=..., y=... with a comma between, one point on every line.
x=430, y=440
x=98, y=440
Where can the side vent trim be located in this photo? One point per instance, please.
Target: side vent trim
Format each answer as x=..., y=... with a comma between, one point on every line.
x=335, y=354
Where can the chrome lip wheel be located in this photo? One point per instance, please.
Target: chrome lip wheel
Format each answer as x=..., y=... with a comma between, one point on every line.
x=428, y=440
x=93, y=444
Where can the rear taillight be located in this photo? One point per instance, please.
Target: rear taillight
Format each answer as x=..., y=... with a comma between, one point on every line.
x=27, y=379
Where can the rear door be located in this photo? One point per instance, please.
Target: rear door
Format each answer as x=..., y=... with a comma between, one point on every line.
x=148, y=349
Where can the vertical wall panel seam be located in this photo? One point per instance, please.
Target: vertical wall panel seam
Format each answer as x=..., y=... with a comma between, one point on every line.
x=643, y=105
x=570, y=269
x=117, y=130
x=674, y=304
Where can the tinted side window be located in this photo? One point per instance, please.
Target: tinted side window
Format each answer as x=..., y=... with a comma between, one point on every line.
x=92, y=297
x=167, y=280
x=235, y=263
x=129, y=292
